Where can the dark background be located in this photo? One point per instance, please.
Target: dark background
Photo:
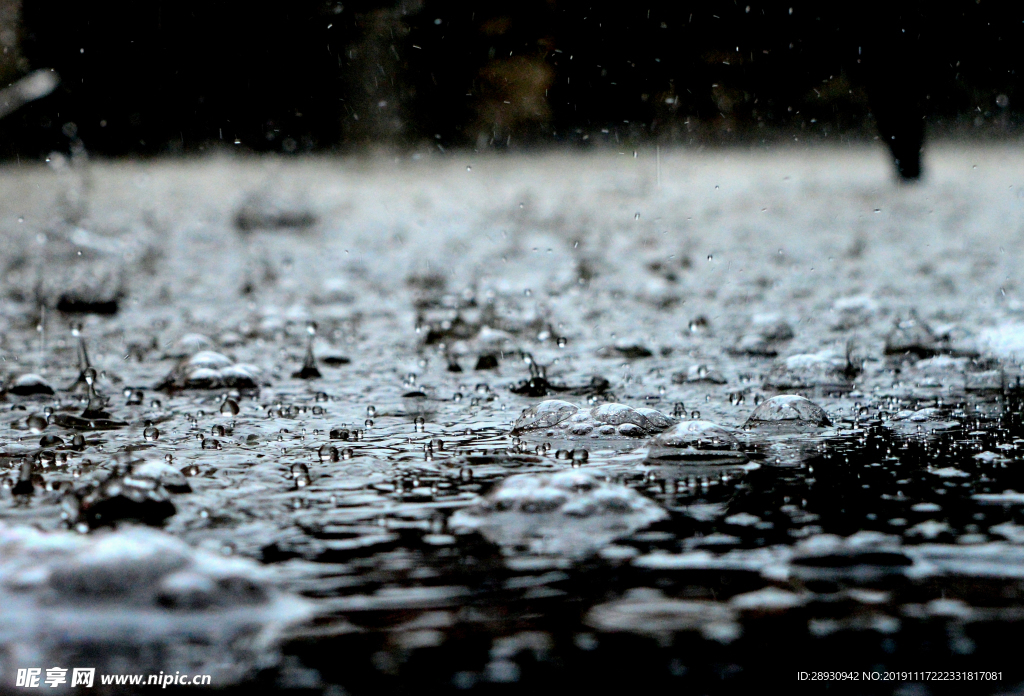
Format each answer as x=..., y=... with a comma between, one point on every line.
x=157, y=77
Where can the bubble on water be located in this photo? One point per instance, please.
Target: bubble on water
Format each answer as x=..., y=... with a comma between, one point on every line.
x=348, y=453
x=567, y=513
x=29, y=384
x=151, y=433
x=36, y=423
x=698, y=442
x=327, y=453
x=171, y=479
x=607, y=420
x=229, y=408
x=210, y=370
x=371, y=411
x=108, y=498
x=546, y=414
x=788, y=409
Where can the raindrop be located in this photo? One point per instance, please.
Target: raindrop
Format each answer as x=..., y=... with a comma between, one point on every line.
x=151, y=433
x=300, y=474
x=327, y=453
x=371, y=411
x=309, y=369
x=229, y=408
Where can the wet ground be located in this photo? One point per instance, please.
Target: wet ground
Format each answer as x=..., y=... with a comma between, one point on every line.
x=314, y=374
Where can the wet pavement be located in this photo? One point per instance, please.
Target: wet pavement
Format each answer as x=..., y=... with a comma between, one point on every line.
x=494, y=423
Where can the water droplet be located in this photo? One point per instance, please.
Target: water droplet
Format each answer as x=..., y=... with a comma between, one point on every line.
x=229, y=408
x=327, y=453
x=36, y=423
x=151, y=433
x=371, y=411
x=300, y=474
x=50, y=441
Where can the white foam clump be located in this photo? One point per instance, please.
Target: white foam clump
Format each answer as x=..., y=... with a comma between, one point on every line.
x=568, y=513
x=137, y=600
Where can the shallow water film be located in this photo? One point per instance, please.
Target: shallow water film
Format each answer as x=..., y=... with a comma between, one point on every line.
x=482, y=424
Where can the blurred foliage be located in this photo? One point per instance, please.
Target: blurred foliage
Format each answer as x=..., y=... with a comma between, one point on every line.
x=315, y=74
